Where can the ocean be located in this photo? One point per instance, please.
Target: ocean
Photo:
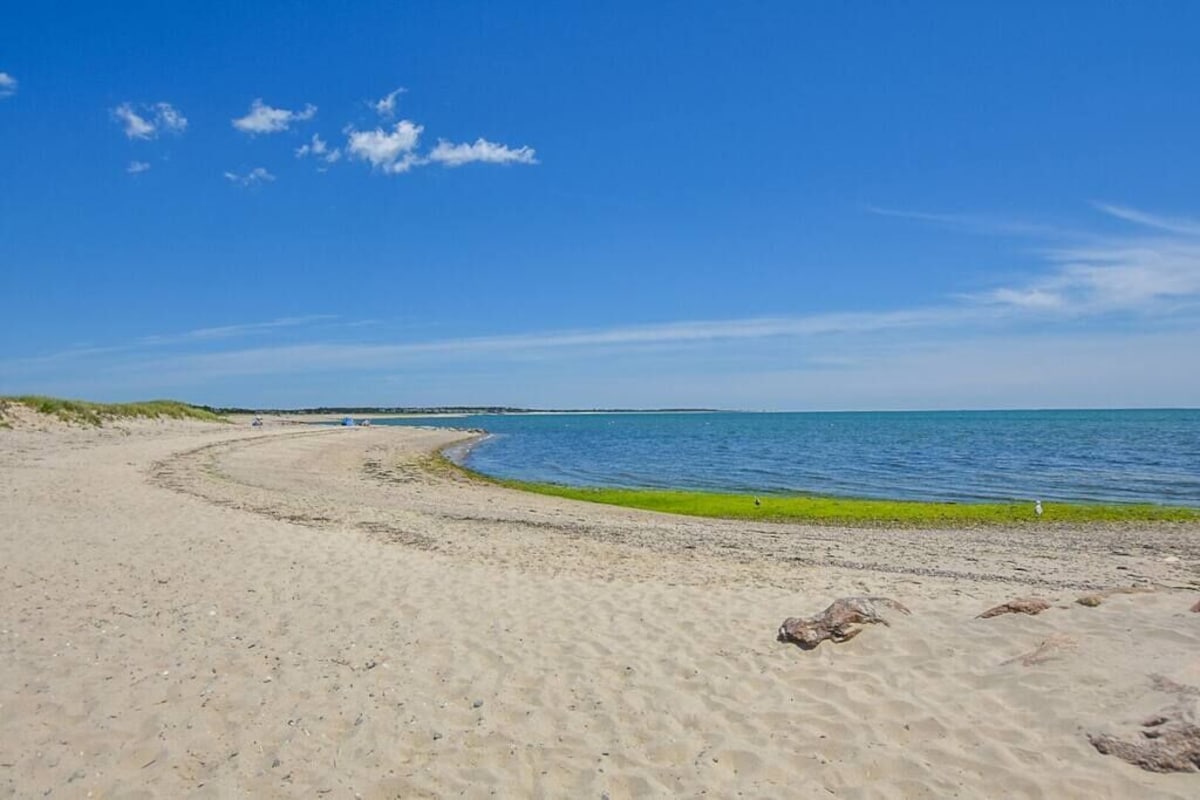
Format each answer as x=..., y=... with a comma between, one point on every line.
x=1126, y=456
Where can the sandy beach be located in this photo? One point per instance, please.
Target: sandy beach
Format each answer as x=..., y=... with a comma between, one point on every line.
x=209, y=610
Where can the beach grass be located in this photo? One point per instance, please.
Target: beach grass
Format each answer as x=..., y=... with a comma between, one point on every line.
x=840, y=510
x=82, y=412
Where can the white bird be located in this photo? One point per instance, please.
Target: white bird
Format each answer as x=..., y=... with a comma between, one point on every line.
x=1037, y=508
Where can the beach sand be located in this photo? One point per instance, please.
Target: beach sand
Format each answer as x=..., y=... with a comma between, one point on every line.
x=205, y=610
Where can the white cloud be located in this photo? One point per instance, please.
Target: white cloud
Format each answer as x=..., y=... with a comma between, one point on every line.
x=390, y=153
x=168, y=118
x=984, y=224
x=236, y=331
x=1187, y=227
x=192, y=337
x=319, y=148
x=136, y=126
x=254, y=177
x=386, y=107
x=1104, y=275
x=137, y=166
x=395, y=151
x=147, y=121
x=1023, y=298
x=263, y=118
x=8, y=85
x=1108, y=322
x=455, y=155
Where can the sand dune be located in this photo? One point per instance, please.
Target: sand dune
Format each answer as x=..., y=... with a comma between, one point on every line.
x=199, y=610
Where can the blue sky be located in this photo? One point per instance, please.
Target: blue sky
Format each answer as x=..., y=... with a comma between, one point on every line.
x=776, y=205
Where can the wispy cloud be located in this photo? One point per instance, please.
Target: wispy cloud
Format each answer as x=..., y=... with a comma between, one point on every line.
x=396, y=151
x=199, y=336
x=263, y=118
x=483, y=151
x=235, y=331
x=1103, y=320
x=8, y=85
x=1187, y=227
x=391, y=152
x=1137, y=272
x=984, y=224
x=254, y=177
x=136, y=167
x=386, y=106
x=147, y=121
x=318, y=148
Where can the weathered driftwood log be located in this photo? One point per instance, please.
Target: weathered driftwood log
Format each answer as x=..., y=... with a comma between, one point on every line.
x=1022, y=605
x=839, y=623
x=1169, y=741
x=1169, y=745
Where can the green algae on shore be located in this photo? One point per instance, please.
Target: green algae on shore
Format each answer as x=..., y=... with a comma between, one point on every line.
x=839, y=510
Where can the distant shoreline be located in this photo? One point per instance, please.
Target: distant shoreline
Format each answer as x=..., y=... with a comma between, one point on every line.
x=376, y=412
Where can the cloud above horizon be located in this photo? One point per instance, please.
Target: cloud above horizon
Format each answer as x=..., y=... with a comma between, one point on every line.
x=396, y=151
x=386, y=106
x=389, y=152
x=390, y=149
x=147, y=121
x=1146, y=280
x=318, y=148
x=8, y=85
x=1107, y=274
x=482, y=151
x=254, y=177
x=263, y=118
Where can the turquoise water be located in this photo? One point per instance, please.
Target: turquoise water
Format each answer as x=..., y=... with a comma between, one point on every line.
x=1150, y=456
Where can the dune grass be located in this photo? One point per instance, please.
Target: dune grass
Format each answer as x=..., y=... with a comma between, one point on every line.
x=843, y=511
x=82, y=412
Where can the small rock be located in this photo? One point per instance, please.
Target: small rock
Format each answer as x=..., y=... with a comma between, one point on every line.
x=436, y=736
x=477, y=704
x=1021, y=605
x=1089, y=600
x=1196, y=607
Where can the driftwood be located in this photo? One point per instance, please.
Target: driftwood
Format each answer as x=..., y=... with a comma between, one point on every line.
x=1169, y=741
x=838, y=623
x=1022, y=605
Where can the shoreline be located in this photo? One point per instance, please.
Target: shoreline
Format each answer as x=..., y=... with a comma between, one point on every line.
x=828, y=509
x=836, y=509
x=682, y=458
x=207, y=610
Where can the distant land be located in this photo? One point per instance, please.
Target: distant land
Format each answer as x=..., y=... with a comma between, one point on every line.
x=464, y=410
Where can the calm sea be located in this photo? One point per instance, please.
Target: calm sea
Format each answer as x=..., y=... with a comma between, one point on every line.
x=1117, y=456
